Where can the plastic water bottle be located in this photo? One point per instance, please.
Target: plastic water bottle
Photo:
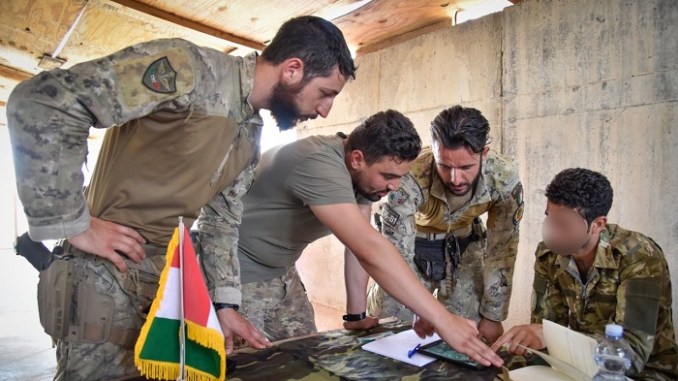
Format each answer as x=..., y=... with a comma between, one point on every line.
x=611, y=355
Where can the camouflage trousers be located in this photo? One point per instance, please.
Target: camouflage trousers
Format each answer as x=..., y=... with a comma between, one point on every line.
x=461, y=291
x=279, y=307
x=103, y=311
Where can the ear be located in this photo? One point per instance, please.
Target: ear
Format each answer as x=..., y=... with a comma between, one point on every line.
x=292, y=71
x=599, y=224
x=486, y=151
x=356, y=159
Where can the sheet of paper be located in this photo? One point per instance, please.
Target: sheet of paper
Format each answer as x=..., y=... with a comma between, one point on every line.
x=570, y=356
x=571, y=347
x=396, y=347
x=537, y=372
x=563, y=369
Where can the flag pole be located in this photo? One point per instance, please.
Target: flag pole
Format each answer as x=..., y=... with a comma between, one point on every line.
x=182, y=324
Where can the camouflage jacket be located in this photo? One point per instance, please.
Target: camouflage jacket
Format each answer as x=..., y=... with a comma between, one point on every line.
x=420, y=205
x=184, y=137
x=628, y=284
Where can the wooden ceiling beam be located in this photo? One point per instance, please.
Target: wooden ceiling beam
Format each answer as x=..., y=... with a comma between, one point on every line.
x=13, y=74
x=190, y=24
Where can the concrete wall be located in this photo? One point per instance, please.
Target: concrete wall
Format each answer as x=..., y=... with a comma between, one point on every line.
x=563, y=83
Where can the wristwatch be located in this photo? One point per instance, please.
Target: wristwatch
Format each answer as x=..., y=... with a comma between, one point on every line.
x=221, y=306
x=355, y=317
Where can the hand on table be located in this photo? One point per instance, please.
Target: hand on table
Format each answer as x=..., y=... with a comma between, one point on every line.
x=521, y=336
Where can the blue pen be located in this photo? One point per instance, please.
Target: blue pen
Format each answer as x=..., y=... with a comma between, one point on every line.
x=412, y=351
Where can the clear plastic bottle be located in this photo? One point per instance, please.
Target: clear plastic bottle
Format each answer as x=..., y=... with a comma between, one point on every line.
x=612, y=355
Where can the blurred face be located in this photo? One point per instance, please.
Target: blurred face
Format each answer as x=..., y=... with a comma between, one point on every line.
x=458, y=168
x=374, y=181
x=293, y=100
x=566, y=232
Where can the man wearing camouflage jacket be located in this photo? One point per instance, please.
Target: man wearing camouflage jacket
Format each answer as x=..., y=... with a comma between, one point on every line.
x=589, y=273
x=184, y=140
x=434, y=220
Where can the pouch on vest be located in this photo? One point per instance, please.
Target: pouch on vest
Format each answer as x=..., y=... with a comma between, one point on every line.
x=429, y=256
x=54, y=298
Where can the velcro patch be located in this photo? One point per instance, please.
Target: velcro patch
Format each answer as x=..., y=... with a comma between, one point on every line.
x=398, y=197
x=642, y=305
x=155, y=78
x=160, y=76
x=518, y=215
x=389, y=217
x=517, y=195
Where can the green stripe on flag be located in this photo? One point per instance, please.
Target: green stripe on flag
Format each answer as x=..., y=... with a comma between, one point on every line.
x=162, y=344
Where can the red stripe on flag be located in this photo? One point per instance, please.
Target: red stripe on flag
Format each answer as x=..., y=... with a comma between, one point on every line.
x=197, y=302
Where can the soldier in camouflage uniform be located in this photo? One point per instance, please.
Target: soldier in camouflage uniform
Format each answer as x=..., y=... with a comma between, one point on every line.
x=434, y=220
x=589, y=273
x=185, y=141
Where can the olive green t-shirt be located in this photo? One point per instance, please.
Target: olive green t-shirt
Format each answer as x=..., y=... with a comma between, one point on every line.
x=277, y=222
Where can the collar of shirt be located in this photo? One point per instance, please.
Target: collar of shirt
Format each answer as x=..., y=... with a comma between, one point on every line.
x=246, y=82
x=605, y=258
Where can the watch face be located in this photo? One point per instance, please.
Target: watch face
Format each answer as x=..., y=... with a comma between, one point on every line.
x=354, y=317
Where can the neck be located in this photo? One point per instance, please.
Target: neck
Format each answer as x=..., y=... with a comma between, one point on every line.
x=585, y=257
x=347, y=159
x=265, y=79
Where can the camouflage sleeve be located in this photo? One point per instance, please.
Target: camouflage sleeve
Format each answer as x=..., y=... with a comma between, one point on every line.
x=218, y=225
x=503, y=224
x=397, y=217
x=49, y=117
x=642, y=290
x=548, y=300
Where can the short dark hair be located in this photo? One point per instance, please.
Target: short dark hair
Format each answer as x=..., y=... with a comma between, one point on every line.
x=314, y=40
x=459, y=126
x=385, y=134
x=586, y=191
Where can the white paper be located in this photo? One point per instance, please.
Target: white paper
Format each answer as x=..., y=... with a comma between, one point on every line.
x=570, y=356
x=397, y=346
x=537, y=372
x=571, y=347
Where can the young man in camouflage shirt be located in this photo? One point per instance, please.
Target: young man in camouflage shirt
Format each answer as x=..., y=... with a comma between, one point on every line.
x=589, y=273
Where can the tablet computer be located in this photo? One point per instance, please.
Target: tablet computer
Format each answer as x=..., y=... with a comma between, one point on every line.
x=440, y=350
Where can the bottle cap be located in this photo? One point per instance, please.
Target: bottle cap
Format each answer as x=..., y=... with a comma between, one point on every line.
x=614, y=330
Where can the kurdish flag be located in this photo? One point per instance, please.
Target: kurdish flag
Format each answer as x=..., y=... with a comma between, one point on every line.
x=158, y=351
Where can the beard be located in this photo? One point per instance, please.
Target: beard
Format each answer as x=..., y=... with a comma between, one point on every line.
x=374, y=197
x=283, y=107
x=371, y=196
x=454, y=189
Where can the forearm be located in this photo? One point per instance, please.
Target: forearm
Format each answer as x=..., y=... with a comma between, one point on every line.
x=394, y=275
x=640, y=347
x=503, y=230
x=498, y=282
x=356, y=279
x=218, y=226
x=219, y=260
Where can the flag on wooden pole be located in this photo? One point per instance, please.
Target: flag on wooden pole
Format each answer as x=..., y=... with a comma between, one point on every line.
x=182, y=298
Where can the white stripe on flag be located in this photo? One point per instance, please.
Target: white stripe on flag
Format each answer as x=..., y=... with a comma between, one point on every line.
x=169, y=306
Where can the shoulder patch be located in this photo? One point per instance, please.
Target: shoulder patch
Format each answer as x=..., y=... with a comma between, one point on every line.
x=160, y=76
x=155, y=78
x=517, y=195
x=398, y=196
